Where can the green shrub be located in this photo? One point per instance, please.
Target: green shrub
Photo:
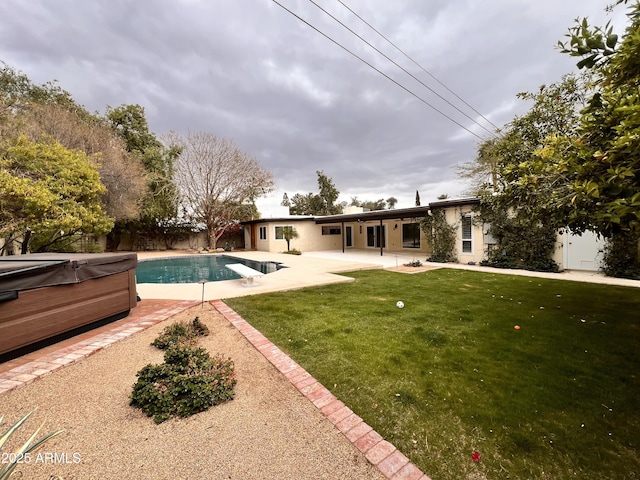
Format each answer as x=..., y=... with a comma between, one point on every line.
x=441, y=236
x=521, y=242
x=180, y=333
x=622, y=256
x=413, y=263
x=188, y=382
x=293, y=251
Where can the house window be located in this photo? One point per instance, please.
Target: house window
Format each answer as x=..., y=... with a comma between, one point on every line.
x=410, y=235
x=280, y=231
x=263, y=233
x=331, y=231
x=467, y=229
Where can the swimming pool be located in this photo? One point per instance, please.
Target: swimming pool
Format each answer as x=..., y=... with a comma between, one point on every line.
x=195, y=268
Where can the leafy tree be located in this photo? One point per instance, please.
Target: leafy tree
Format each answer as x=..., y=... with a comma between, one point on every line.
x=218, y=182
x=121, y=173
x=285, y=201
x=519, y=202
x=379, y=204
x=391, y=202
x=159, y=207
x=328, y=194
x=19, y=92
x=50, y=191
x=302, y=204
x=417, y=199
x=573, y=159
x=521, y=178
x=132, y=126
x=322, y=203
x=483, y=170
x=37, y=110
x=605, y=193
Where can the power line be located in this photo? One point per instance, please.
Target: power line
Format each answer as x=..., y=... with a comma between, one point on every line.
x=418, y=65
x=405, y=70
x=379, y=71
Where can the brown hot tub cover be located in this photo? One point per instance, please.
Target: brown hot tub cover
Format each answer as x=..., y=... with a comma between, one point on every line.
x=46, y=294
x=36, y=270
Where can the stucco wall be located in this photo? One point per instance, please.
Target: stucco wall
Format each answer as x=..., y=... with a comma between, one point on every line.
x=311, y=238
x=478, y=248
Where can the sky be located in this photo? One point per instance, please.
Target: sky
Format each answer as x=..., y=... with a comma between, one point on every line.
x=297, y=101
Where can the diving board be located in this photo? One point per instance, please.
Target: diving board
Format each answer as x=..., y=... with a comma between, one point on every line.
x=249, y=274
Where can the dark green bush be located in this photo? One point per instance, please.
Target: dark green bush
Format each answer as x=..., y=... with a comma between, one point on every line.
x=521, y=242
x=181, y=333
x=188, y=382
x=622, y=256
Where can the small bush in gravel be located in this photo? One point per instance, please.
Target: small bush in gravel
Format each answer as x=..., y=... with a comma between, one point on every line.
x=189, y=381
x=181, y=333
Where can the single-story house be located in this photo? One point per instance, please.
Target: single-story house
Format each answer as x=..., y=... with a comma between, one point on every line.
x=395, y=230
x=398, y=230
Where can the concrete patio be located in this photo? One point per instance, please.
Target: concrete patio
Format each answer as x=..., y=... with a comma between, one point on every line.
x=322, y=268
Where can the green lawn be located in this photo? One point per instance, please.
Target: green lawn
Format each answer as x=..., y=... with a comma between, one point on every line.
x=448, y=374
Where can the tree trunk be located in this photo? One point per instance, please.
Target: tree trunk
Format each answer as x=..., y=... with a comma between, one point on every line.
x=211, y=239
x=25, y=242
x=113, y=239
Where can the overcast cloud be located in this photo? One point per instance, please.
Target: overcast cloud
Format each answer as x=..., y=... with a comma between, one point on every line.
x=250, y=71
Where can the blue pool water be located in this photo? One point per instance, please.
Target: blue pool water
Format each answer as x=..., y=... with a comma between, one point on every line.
x=194, y=268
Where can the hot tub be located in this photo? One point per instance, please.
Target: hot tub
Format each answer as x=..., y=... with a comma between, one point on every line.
x=45, y=294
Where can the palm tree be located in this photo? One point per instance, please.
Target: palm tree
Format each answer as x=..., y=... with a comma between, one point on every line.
x=289, y=233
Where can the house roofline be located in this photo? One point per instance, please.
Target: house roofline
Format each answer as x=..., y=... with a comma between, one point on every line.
x=455, y=202
x=401, y=213
x=285, y=220
x=412, y=212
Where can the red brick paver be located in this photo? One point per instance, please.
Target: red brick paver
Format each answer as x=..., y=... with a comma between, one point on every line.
x=380, y=451
x=389, y=460
x=409, y=472
x=393, y=463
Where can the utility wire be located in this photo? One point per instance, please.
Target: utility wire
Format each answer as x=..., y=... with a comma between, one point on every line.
x=406, y=71
x=418, y=65
x=379, y=71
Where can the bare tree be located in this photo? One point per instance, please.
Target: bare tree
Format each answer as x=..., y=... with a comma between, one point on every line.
x=218, y=182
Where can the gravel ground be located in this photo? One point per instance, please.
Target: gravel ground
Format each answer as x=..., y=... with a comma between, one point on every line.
x=269, y=431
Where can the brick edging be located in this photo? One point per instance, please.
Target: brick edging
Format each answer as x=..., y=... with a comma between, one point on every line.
x=31, y=371
x=392, y=463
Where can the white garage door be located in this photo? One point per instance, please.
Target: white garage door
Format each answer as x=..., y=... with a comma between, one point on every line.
x=583, y=252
